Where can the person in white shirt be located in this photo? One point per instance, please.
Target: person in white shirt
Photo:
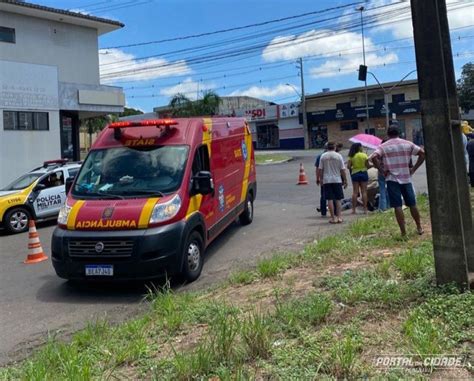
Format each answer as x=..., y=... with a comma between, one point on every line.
x=332, y=174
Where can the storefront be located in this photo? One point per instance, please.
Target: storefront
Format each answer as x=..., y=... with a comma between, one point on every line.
x=339, y=115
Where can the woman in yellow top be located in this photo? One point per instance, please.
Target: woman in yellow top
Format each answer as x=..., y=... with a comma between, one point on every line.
x=358, y=164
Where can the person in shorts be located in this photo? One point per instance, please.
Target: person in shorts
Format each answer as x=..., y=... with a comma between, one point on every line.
x=358, y=164
x=393, y=158
x=332, y=174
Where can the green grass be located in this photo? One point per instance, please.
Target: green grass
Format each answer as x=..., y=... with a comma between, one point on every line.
x=321, y=333
x=271, y=267
x=270, y=158
x=295, y=315
x=368, y=286
x=243, y=277
x=415, y=262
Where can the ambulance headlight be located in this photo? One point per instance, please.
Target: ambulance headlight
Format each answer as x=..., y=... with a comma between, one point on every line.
x=64, y=214
x=166, y=210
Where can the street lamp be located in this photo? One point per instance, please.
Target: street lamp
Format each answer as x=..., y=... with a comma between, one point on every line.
x=386, y=93
x=294, y=89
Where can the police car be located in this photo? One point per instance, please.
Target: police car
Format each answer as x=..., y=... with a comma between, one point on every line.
x=38, y=194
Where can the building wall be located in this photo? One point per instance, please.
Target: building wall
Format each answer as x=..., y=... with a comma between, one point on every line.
x=357, y=99
x=73, y=49
x=291, y=133
x=320, y=106
x=21, y=151
x=27, y=87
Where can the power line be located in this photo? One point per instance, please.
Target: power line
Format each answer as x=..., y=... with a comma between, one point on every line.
x=234, y=28
x=337, y=26
x=261, y=67
x=255, y=83
x=232, y=53
x=219, y=55
x=239, y=52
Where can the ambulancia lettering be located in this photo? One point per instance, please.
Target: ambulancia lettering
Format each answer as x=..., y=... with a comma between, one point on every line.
x=105, y=224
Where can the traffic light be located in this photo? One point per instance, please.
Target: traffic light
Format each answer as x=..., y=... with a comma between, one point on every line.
x=362, y=73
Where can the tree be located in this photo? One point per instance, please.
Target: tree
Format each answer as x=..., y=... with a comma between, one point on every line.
x=97, y=124
x=466, y=87
x=181, y=105
x=209, y=104
x=129, y=111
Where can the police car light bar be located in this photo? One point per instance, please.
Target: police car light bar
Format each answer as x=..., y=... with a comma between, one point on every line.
x=144, y=123
x=53, y=162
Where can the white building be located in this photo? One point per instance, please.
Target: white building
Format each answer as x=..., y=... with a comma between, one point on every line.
x=49, y=81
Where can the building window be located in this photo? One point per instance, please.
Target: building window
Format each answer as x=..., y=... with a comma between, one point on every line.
x=7, y=35
x=348, y=126
x=343, y=106
x=25, y=120
x=398, y=98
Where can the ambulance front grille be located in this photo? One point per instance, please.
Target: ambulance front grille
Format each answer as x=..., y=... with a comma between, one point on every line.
x=111, y=249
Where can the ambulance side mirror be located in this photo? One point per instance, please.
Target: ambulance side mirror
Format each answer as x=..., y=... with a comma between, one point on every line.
x=68, y=185
x=202, y=183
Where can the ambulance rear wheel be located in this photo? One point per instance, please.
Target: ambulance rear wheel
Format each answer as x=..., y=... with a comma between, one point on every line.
x=246, y=217
x=16, y=220
x=193, y=257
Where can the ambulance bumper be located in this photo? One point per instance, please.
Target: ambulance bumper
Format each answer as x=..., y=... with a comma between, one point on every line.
x=133, y=255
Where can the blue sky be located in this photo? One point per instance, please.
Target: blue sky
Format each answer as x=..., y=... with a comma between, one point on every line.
x=263, y=59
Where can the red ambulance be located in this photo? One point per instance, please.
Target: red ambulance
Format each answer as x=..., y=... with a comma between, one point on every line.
x=150, y=197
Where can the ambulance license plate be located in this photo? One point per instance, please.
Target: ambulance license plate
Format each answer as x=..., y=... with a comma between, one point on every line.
x=99, y=270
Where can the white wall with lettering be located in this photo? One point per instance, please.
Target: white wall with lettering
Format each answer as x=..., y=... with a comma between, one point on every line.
x=27, y=87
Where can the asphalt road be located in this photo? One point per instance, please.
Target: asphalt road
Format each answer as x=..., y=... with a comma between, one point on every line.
x=35, y=302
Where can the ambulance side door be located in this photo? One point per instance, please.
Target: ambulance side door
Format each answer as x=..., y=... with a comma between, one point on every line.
x=201, y=162
x=48, y=200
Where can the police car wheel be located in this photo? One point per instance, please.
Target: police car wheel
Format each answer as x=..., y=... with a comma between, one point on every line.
x=246, y=217
x=16, y=220
x=193, y=258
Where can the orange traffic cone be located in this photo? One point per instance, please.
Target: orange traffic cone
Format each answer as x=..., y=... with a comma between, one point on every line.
x=35, y=251
x=302, y=179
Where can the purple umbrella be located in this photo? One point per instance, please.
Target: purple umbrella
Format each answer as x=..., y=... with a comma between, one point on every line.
x=368, y=141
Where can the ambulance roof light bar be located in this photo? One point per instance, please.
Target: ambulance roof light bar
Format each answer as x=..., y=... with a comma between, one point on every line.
x=140, y=123
x=144, y=123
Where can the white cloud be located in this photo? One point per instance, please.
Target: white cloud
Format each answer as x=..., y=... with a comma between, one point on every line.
x=349, y=66
x=135, y=70
x=188, y=87
x=459, y=15
x=265, y=92
x=309, y=44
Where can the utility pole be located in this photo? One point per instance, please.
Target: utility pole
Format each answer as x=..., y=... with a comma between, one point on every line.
x=303, y=105
x=361, y=9
x=450, y=207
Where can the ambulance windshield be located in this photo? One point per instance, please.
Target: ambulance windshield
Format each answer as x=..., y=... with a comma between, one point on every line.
x=130, y=172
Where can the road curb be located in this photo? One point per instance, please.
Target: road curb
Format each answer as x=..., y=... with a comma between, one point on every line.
x=276, y=162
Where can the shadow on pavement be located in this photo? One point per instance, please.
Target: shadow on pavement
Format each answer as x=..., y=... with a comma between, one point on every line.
x=57, y=290
x=39, y=226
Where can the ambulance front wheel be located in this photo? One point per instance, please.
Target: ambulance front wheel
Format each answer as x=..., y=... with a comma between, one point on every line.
x=246, y=217
x=193, y=257
x=16, y=220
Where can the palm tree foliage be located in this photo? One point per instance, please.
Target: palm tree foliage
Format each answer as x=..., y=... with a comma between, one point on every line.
x=183, y=106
